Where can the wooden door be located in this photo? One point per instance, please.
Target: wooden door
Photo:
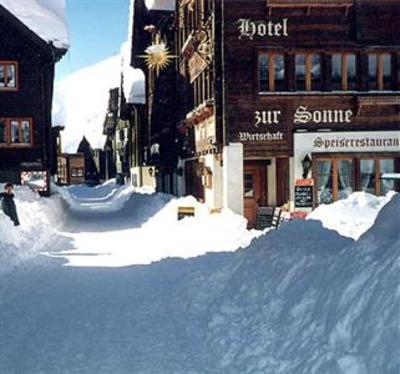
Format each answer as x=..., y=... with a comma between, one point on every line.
x=193, y=183
x=254, y=189
x=282, y=181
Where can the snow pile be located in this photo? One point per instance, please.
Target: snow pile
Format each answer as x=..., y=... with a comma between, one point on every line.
x=46, y=18
x=105, y=198
x=81, y=102
x=306, y=300
x=302, y=299
x=145, y=226
x=38, y=217
x=353, y=216
x=133, y=79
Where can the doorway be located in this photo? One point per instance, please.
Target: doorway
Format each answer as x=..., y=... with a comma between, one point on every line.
x=254, y=189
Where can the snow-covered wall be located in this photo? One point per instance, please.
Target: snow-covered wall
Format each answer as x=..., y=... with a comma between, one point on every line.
x=46, y=18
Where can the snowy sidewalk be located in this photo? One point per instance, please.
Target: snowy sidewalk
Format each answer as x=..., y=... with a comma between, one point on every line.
x=114, y=226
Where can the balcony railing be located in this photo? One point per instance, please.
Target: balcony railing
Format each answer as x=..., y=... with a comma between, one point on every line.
x=378, y=100
x=308, y=4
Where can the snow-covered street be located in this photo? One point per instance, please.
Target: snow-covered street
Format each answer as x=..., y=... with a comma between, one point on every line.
x=86, y=298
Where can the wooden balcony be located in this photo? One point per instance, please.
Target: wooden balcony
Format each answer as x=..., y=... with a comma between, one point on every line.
x=308, y=4
x=378, y=100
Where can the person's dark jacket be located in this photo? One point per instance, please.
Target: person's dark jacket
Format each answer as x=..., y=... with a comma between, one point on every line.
x=8, y=207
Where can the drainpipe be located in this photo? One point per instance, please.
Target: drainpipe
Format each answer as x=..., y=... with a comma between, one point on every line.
x=43, y=99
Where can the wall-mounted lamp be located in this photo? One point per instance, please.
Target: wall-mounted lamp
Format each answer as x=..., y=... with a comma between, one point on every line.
x=306, y=164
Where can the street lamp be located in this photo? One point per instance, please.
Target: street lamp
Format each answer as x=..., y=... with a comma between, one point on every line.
x=306, y=164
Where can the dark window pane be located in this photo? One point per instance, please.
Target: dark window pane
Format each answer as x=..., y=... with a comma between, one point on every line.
x=2, y=76
x=387, y=71
x=15, y=132
x=301, y=72
x=367, y=170
x=11, y=76
x=351, y=72
x=315, y=73
x=263, y=71
x=324, y=182
x=3, y=138
x=373, y=72
x=279, y=73
x=387, y=166
x=26, y=132
x=336, y=72
x=248, y=185
x=345, y=178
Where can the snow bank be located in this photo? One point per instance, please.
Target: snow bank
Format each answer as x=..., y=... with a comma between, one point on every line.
x=105, y=198
x=353, y=216
x=38, y=217
x=306, y=300
x=81, y=101
x=302, y=299
x=46, y=18
x=145, y=226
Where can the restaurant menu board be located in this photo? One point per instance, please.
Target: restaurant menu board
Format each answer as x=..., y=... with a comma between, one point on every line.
x=304, y=193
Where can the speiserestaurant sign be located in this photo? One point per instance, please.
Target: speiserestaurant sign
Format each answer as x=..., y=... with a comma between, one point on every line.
x=371, y=141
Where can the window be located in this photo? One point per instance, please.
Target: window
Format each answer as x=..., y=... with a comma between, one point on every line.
x=8, y=75
x=76, y=172
x=3, y=131
x=15, y=132
x=248, y=185
x=379, y=71
x=345, y=182
x=324, y=181
x=334, y=179
x=386, y=166
x=344, y=72
x=368, y=176
x=271, y=70
x=308, y=72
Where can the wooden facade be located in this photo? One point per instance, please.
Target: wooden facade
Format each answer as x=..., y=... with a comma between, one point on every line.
x=256, y=86
x=26, y=89
x=71, y=169
x=309, y=66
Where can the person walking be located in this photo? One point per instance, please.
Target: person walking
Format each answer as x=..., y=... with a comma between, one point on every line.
x=8, y=204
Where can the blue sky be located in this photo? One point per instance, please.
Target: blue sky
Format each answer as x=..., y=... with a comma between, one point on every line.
x=97, y=30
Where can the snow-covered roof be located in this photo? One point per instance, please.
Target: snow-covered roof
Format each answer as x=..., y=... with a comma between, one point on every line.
x=46, y=18
x=80, y=102
x=160, y=4
x=133, y=79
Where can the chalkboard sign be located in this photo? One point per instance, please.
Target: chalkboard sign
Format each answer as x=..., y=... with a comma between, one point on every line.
x=303, y=196
x=264, y=217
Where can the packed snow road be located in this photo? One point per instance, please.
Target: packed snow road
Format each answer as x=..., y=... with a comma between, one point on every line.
x=303, y=299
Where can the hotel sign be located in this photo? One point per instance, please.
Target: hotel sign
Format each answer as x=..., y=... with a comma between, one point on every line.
x=249, y=29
